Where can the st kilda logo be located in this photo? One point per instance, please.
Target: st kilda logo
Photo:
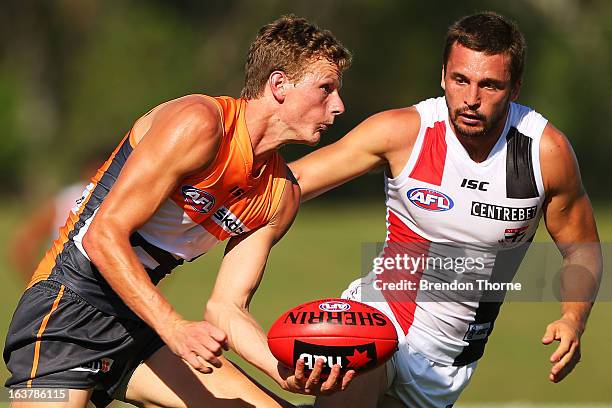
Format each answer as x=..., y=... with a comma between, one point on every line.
x=359, y=357
x=199, y=200
x=430, y=200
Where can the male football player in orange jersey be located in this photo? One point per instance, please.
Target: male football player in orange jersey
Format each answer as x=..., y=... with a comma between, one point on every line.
x=192, y=172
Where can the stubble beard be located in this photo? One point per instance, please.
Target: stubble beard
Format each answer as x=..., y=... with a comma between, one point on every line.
x=488, y=123
x=466, y=131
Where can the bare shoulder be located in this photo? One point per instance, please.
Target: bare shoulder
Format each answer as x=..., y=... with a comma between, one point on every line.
x=394, y=127
x=388, y=135
x=189, y=128
x=393, y=135
x=553, y=143
x=192, y=112
x=408, y=118
x=557, y=160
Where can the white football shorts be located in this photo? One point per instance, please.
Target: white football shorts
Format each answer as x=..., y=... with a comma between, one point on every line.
x=414, y=379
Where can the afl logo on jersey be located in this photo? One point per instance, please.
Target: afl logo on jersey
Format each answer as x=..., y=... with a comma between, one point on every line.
x=199, y=200
x=430, y=200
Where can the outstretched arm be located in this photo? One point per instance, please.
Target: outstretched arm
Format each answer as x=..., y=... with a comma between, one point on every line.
x=239, y=276
x=570, y=222
x=384, y=139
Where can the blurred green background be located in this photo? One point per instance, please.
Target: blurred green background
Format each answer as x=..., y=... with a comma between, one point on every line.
x=75, y=74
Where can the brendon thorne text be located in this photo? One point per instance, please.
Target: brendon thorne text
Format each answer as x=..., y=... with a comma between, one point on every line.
x=455, y=285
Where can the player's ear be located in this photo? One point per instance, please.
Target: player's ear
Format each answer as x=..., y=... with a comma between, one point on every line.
x=278, y=82
x=516, y=90
x=442, y=78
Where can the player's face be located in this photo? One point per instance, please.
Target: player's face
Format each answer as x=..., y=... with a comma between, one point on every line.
x=313, y=102
x=478, y=91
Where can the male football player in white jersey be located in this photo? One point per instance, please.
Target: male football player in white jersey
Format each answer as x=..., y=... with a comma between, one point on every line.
x=469, y=167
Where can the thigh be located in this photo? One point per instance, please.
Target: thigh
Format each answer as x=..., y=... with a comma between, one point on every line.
x=47, y=344
x=57, y=340
x=76, y=399
x=165, y=380
x=364, y=391
x=420, y=382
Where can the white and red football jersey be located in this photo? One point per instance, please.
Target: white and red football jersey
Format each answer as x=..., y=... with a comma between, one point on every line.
x=448, y=213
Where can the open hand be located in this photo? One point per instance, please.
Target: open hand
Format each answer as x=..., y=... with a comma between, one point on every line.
x=567, y=354
x=302, y=383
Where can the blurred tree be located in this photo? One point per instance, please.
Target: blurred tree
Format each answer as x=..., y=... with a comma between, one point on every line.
x=74, y=74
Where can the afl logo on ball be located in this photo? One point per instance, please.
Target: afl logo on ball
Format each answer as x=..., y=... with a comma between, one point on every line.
x=199, y=200
x=430, y=200
x=334, y=306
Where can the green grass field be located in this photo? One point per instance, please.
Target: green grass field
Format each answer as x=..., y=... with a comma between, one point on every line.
x=322, y=254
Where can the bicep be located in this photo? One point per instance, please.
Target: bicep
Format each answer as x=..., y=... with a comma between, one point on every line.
x=364, y=148
x=334, y=164
x=568, y=212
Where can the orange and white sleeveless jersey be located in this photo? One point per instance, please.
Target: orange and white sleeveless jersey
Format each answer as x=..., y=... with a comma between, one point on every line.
x=459, y=221
x=208, y=207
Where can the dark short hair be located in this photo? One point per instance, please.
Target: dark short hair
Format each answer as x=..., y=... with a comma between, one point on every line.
x=492, y=34
x=289, y=44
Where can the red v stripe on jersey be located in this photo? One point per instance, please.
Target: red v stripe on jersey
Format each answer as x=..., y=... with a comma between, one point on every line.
x=405, y=243
x=432, y=157
x=400, y=232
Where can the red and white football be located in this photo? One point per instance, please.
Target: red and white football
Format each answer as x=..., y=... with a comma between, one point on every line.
x=356, y=336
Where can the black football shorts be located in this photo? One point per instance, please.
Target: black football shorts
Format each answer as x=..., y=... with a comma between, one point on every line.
x=57, y=340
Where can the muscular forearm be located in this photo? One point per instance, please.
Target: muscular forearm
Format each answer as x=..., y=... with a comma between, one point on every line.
x=580, y=278
x=245, y=336
x=114, y=257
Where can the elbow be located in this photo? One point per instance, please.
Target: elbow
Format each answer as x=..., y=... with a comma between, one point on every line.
x=218, y=311
x=97, y=239
x=213, y=312
x=90, y=242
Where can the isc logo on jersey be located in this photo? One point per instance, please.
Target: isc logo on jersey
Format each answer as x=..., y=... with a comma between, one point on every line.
x=199, y=200
x=430, y=200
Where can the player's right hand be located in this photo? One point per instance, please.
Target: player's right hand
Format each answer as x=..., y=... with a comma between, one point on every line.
x=303, y=383
x=197, y=343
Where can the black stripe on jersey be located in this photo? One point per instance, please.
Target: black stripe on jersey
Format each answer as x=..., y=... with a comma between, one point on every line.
x=104, y=185
x=506, y=264
x=71, y=267
x=520, y=179
x=78, y=273
x=167, y=262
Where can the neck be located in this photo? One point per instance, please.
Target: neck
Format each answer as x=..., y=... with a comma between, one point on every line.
x=479, y=147
x=265, y=129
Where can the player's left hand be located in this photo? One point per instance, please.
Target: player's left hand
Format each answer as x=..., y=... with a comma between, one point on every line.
x=567, y=354
x=302, y=383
